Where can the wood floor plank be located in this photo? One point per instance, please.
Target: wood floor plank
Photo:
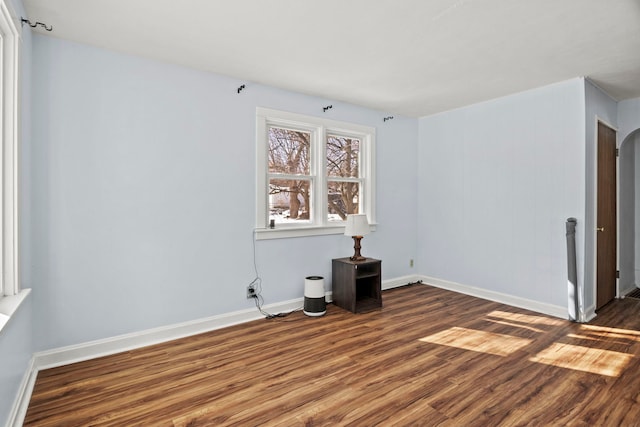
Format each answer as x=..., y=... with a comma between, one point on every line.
x=428, y=357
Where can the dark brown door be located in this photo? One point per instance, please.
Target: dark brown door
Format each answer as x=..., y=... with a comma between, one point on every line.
x=606, y=232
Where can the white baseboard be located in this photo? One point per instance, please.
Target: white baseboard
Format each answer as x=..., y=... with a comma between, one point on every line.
x=537, y=306
x=399, y=281
x=625, y=290
x=590, y=314
x=104, y=347
x=107, y=346
x=21, y=402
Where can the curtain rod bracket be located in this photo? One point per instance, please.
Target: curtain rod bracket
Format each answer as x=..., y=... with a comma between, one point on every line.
x=32, y=25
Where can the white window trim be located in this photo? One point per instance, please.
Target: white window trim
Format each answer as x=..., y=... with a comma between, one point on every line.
x=318, y=127
x=10, y=294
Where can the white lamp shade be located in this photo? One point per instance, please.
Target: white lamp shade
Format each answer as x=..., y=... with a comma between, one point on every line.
x=357, y=225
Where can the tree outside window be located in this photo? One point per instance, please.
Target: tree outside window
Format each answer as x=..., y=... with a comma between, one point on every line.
x=343, y=177
x=289, y=175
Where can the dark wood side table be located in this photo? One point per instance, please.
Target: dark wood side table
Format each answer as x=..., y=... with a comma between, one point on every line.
x=357, y=284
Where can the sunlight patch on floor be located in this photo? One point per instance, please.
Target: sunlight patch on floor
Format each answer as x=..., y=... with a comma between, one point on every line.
x=526, y=318
x=529, y=322
x=515, y=325
x=585, y=359
x=612, y=332
x=480, y=341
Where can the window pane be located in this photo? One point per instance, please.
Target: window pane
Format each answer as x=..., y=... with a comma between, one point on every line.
x=343, y=199
x=289, y=200
x=342, y=156
x=289, y=151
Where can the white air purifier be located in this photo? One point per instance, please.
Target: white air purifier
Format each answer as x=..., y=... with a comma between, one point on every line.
x=314, y=302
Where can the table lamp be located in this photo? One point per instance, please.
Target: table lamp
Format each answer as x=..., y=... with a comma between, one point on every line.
x=356, y=227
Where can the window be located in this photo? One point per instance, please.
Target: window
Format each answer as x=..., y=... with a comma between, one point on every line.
x=311, y=174
x=343, y=176
x=9, y=284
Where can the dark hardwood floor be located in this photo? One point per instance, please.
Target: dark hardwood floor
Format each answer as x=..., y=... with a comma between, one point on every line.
x=429, y=357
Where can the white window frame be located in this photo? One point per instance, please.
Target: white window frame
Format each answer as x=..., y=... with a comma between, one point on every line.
x=319, y=128
x=10, y=293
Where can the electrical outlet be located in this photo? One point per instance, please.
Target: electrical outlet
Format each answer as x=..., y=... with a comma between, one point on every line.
x=411, y=263
x=251, y=292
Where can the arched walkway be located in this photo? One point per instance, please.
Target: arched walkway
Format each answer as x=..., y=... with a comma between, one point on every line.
x=628, y=207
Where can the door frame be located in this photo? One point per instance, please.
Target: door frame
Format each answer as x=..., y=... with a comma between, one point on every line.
x=592, y=233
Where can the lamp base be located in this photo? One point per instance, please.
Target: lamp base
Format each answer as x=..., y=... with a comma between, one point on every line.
x=356, y=254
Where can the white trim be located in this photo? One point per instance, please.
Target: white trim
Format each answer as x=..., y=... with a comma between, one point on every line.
x=319, y=129
x=617, y=173
x=537, y=306
x=285, y=233
x=594, y=84
x=627, y=289
x=107, y=346
x=400, y=281
x=607, y=124
x=9, y=305
x=21, y=402
x=619, y=292
x=9, y=89
x=104, y=347
x=592, y=234
x=590, y=313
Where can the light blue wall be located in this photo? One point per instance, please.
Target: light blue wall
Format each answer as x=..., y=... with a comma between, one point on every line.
x=144, y=195
x=497, y=181
x=16, y=344
x=628, y=117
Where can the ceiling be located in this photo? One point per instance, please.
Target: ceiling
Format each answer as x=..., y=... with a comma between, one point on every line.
x=410, y=57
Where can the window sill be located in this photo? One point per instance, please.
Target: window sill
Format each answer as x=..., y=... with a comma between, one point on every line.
x=9, y=305
x=290, y=232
